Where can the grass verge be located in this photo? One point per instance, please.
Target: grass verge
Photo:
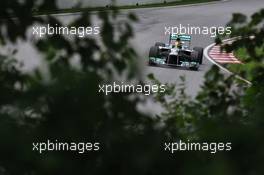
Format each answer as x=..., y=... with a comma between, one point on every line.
x=248, y=63
x=91, y=9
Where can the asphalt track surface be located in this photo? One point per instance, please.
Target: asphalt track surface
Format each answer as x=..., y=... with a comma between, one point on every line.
x=150, y=29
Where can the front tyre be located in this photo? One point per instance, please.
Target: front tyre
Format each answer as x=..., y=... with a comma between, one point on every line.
x=195, y=56
x=194, y=68
x=153, y=53
x=200, y=54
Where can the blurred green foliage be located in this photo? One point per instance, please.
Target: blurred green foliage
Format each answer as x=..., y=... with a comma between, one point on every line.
x=67, y=107
x=227, y=109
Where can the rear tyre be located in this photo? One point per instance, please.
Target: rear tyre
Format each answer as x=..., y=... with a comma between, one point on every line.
x=159, y=44
x=200, y=54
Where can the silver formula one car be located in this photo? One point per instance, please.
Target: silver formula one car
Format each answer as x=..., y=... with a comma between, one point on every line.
x=176, y=53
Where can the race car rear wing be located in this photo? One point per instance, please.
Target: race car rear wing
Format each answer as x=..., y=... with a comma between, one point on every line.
x=182, y=37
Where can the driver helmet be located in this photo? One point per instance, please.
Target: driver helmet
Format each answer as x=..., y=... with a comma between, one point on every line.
x=178, y=43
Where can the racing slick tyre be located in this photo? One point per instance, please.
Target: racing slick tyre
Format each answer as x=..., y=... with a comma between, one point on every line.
x=194, y=68
x=153, y=52
x=200, y=54
x=160, y=44
x=195, y=58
